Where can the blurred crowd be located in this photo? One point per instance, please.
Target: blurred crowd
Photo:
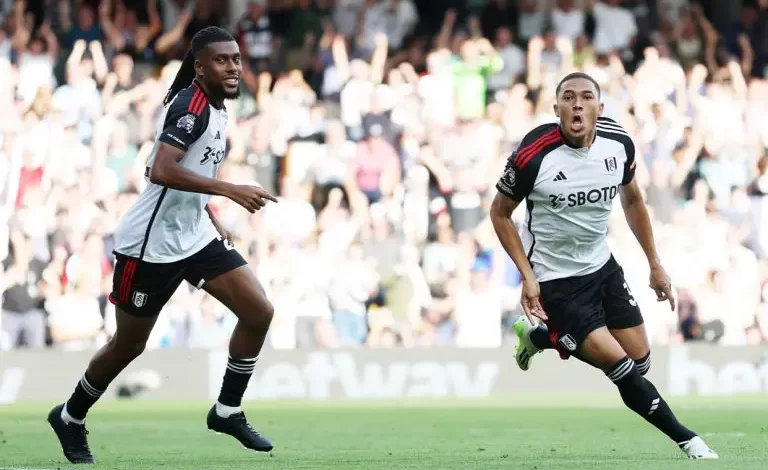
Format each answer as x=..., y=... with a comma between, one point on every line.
x=383, y=125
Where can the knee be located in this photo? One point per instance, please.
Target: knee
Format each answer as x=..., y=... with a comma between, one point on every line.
x=644, y=363
x=127, y=350
x=260, y=318
x=267, y=313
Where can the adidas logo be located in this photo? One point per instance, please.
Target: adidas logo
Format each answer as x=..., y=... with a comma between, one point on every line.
x=654, y=405
x=218, y=136
x=560, y=177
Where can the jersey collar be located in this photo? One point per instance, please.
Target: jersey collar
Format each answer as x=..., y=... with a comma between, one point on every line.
x=199, y=86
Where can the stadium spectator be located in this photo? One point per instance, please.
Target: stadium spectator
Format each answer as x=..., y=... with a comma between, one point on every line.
x=383, y=125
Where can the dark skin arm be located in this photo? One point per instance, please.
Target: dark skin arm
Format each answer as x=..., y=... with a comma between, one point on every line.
x=226, y=234
x=501, y=211
x=640, y=223
x=167, y=171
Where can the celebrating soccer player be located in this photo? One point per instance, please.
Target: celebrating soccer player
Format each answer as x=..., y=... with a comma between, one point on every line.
x=170, y=235
x=574, y=294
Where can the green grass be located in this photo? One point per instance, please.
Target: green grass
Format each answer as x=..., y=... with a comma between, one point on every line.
x=526, y=433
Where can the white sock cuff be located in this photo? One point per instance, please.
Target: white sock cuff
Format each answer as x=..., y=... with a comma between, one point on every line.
x=644, y=364
x=621, y=369
x=90, y=389
x=242, y=366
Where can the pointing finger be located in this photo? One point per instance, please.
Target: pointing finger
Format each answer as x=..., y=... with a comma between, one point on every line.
x=670, y=297
x=266, y=195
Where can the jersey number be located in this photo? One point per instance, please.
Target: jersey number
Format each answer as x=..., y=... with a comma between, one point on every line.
x=210, y=154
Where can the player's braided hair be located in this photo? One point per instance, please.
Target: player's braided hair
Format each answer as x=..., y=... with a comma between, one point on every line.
x=186, y=72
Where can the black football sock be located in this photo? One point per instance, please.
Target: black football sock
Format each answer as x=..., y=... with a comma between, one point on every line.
x=236, y=379
x=83, y=398
x=642, y=397
x=644, y=364
x=540, y=338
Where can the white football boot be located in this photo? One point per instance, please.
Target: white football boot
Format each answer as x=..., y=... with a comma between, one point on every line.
x=696, y=448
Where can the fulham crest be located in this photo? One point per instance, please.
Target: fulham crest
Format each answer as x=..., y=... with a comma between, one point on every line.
x=139, y=299
x=610, y=164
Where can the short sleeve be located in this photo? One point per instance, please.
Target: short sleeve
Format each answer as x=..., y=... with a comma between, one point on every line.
x=515, y=183
x=610, y=129
x=185, y=122
x=630, y=164
x=522, y=166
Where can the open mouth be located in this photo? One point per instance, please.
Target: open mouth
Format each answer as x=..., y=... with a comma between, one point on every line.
x=231, y=81
x=577, y=122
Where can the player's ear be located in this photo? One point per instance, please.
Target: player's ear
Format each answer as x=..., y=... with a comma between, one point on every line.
x=198, y=68
x=557, y=111
x=600, y=110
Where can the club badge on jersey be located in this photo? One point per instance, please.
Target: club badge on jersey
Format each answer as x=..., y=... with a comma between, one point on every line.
x=610, y=164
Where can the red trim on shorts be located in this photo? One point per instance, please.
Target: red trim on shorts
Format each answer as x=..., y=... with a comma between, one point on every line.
x=126, y=280
x=112, y=299
x=554, y=336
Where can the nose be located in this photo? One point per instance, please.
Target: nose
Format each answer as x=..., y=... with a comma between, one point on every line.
x=232, y=67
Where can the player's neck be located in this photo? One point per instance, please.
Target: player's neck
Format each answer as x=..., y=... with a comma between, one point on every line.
x=579, y=142
x=216, y=102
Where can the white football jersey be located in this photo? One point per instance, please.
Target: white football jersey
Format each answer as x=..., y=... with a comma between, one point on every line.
x=167, y=225
x=569, y=193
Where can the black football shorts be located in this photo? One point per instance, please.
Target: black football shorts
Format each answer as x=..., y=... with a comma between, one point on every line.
x=142, y=288
x=576, y=306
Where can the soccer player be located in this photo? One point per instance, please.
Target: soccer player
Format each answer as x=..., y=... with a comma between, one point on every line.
x=170, y=235
x=569, y=173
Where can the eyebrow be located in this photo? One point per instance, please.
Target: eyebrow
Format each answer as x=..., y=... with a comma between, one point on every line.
x=575, y=92
x=225, y=55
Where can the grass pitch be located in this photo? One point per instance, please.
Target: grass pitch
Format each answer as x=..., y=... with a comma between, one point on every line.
x=527, y=433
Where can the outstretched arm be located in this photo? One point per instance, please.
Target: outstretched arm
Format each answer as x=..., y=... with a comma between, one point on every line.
x=184, y=125
x=167, y=171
